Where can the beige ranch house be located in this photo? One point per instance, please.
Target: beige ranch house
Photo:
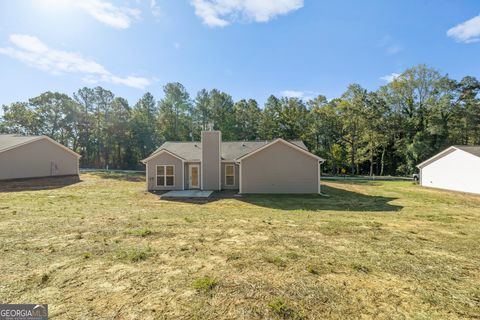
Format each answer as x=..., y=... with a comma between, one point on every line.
x=276, y=166
x=23, y=157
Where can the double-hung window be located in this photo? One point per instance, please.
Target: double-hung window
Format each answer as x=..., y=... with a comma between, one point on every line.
x=229, y=175
x=165, y=176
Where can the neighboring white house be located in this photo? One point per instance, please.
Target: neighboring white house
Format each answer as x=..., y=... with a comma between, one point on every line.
x=456, y=168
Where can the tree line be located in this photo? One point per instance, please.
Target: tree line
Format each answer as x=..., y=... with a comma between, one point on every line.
x=387, y=131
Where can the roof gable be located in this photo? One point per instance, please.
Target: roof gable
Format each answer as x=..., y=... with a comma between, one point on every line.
x=473, y=150
x=289, y=144
x=160, y=152
x=12, y=141
x=237, y=149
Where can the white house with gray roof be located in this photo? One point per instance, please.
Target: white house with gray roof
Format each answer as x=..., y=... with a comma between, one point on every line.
x=456, y=168
x=277, y=166
x=34, y=157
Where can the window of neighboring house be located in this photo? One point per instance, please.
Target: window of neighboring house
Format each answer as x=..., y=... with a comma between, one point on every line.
x=165, y=176
x=229, y=175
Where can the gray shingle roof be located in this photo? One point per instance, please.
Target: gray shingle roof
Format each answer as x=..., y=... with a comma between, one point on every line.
x=191, y=151
x=8, y=141
x=475, y=150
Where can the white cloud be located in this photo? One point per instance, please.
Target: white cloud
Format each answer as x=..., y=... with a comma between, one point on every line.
x=304, y=95
x=156, y=11
x=110, y=14
x=467, y=32
x=292, y=94
x=390, y=77
x=390, y=45
x=35, y=53
x=393, y=49
x=220, y=13
x=131, y=81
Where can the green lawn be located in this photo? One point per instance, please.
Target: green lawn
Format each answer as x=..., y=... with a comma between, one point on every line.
x=104, y=248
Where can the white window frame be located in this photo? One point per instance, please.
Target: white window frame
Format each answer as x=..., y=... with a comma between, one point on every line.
x=165, y=175
x=230, y=165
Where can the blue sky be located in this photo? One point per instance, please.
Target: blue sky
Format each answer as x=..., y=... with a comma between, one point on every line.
x=248, y=48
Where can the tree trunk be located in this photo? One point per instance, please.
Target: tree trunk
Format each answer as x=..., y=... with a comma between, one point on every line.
x=382, y=161
x=119, y=156
x=371, y=163
x=352, y=161
x=175, y=124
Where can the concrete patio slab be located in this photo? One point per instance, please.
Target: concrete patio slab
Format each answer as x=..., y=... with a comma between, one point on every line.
x=187, y=194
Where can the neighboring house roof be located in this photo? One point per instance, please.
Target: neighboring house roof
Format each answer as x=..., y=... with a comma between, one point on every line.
x=290, y=144
x=12, y=141
x=474, y=150
x=160, y=152
x=9, y=141
x=231, y=150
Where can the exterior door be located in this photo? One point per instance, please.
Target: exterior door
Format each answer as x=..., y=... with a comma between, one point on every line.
x=53, y=168
x=193, y=180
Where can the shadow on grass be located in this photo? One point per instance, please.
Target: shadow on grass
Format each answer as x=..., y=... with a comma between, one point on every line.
x=215, y=196
x=336, y=200
x=360, y=182
x=119, y=175
x=36, y=184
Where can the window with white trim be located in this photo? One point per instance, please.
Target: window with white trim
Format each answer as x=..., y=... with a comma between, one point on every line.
x=229, y=175
x=165, y=176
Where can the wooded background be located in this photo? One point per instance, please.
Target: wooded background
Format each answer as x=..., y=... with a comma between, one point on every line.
x=388, y=131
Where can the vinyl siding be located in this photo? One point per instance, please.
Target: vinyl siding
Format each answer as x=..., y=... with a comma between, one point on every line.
x=458, y=171
x=211, y=160
x=35, y=160
x=165, y=159
x=279, y=169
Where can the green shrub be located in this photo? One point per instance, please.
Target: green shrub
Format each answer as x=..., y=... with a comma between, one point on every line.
x=132, y=254
x=233, y=256
x=361, y=268
x=276, y=260
x=204, y=284
x=283, y=310
x=142, y=232
x=44, y=278
x=312, y=269
x=292, y=255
